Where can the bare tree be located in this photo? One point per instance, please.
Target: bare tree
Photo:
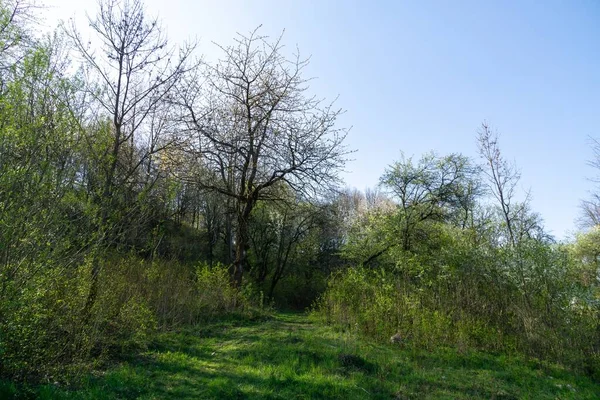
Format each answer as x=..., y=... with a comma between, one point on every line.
x=250, y=122
x=590, y=212
x=590, y=208
x=133, y=71
x=503, y=177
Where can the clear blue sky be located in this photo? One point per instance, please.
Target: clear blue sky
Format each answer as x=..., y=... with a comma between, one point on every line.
x=418, y=76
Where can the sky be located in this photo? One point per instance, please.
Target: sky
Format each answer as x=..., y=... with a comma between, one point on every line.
x=416, y=76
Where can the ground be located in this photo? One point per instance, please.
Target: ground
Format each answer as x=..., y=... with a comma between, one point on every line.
x=291, y=357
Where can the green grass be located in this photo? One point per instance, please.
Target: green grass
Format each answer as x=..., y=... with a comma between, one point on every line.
x=290, y=357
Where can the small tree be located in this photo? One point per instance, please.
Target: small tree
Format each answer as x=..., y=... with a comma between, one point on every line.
x=433, y=189
x=503, y=177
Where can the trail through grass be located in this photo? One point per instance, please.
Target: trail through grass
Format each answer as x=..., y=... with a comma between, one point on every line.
x=289, y=357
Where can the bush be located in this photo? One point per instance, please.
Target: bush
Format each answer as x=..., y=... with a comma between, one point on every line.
x=519, y=300
x=40, y=326
x=43, y=329
x=214, y=293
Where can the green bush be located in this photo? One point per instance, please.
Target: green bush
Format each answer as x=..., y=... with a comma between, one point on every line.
x=486, y=308
x=214, y=293
x=44, y=330
x=40, y=323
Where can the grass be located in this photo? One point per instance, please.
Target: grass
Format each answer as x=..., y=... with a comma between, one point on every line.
x=290, y=357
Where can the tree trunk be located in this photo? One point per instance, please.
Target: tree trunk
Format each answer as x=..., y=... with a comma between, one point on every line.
x=242, y=244
x=240, y=256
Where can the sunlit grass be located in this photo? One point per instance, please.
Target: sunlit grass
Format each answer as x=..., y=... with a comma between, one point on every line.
x=289, y=357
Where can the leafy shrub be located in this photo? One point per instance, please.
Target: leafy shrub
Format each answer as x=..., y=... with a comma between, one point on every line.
x=215, y=295
x=519, y=300
x=43, y=329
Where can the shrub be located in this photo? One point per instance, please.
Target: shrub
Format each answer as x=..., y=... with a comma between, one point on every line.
x=479, y=302
x=214, y=293
x=43, y=329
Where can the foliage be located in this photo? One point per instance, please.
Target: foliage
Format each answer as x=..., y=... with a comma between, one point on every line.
x=215, y=295
x=504, y=300
x=138, y=186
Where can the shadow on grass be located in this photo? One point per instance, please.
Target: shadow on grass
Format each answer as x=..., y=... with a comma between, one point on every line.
x=178, y=376
x=287, y=357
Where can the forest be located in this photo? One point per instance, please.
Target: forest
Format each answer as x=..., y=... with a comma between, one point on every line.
x=146, y=192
